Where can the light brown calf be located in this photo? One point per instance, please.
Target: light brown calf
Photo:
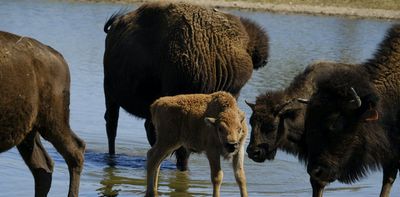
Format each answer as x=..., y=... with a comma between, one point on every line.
x=210, y=123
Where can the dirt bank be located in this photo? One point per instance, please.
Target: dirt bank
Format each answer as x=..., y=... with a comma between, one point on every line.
x=285, y=8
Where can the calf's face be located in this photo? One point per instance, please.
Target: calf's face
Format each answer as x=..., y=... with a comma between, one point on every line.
x=231, y=130
x=335, y=123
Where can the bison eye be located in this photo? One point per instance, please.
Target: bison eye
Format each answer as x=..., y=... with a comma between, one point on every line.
x=335, y=123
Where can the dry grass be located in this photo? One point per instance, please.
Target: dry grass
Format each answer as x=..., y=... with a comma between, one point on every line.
x=373, y=4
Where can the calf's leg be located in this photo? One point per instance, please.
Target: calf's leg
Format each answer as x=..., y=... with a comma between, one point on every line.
x=38, y=161
x=389, y=176
x=154, y=158
x=182, y=154
x=238, y=170
x=216, y=173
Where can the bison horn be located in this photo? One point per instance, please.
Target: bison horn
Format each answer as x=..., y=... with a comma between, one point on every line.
x=251, y=105
x=356, y=99
x=302, y=100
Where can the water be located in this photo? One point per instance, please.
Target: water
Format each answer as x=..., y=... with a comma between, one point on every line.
x=76, y=30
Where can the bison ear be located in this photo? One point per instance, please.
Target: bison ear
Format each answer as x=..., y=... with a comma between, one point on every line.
x=251, y=105
x=370, y=114
x=210, y=121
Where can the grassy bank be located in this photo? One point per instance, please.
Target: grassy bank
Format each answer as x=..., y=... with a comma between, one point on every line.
x=365, y=4
x=386, y=9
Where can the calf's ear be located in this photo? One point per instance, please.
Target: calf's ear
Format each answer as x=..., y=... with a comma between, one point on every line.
x=210, y=121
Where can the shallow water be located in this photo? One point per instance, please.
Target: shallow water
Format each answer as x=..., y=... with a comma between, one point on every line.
x=76, y=30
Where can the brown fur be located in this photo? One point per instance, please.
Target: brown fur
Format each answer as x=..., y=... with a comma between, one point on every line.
x=34, y=84
x=344, y=140
x=277, y=120
x=210, y=123
x=165, y=49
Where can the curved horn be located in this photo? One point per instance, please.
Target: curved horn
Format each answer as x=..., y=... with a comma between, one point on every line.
x=356, y=99
x=302, y=100
x=281, y=107
x=251, y=105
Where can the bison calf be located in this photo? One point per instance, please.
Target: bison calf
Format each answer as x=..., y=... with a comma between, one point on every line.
x=34, y=89
x=202, y=123
x=352, y=120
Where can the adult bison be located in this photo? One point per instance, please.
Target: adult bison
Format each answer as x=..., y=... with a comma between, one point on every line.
x=168, y=49
x=34, y=102
x=352, y=120
x=277, y=119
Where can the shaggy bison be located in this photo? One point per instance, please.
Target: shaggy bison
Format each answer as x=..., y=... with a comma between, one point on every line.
x=352, y=120
x=277, y=120
x=210, y=123
x=166, y=49
x=34, y=88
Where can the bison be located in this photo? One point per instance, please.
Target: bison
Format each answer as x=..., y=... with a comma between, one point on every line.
x=277, y=118
x=210, y=123
x=34, y=102
x=352, y=120
x=165, y=49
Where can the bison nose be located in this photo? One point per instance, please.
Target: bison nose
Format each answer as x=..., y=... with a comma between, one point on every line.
x=231, y=147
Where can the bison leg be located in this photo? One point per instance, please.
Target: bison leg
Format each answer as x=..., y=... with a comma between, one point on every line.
x=216, y=172
x=111, y=117
x=150, y=132
x=182, y=157
x=38, y=161
x=72, y=149
x=238, y=169
x=389, y=176
x=154, y=158
x=317, y=188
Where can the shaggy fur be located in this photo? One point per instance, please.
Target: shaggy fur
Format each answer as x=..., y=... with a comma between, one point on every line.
x=34, y=88
x=345, y=141
x=210, y=123
x=165, y=49
x=277, y=120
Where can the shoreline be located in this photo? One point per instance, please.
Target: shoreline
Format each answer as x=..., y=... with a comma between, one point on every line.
x=280, y=8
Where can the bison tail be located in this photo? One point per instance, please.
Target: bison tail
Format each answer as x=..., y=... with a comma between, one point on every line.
x=114, y=17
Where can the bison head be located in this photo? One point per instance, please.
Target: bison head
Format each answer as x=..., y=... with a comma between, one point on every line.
x=338, y=122
x=268, y=125
x=231, y=130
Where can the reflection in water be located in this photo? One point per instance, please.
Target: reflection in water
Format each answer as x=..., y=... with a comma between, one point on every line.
x=108, y=183
x=179, y=184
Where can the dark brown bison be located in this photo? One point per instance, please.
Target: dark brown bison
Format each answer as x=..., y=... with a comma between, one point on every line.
x=34, y=88
x=352, y=120
x=165, y=49
x=277, y=119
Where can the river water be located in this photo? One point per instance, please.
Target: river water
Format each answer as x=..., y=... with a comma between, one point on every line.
x=76, y=30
